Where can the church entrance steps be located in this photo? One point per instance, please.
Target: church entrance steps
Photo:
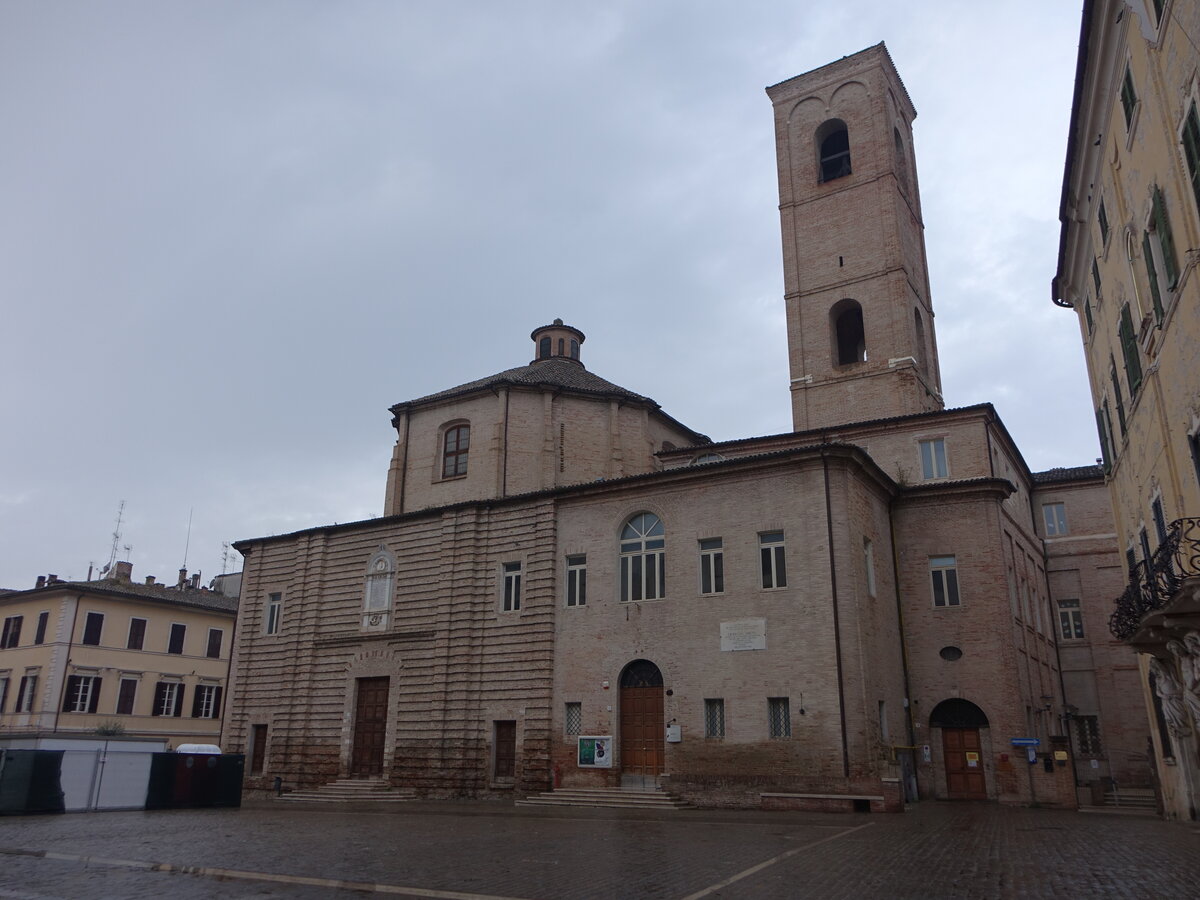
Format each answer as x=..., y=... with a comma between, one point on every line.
x=608, y=798
x=347, y=790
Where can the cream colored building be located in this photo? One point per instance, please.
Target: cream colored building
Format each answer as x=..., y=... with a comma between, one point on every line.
x=1127, y=266
x=144, y=660
x=571, y=587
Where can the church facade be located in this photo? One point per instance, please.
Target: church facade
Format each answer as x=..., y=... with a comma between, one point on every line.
x=571, y=588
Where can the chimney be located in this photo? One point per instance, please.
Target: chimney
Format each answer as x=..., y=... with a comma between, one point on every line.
x=196, y=582
x=122, y=572
x=41, y=581
x=150, y=580
x=182, y=578
x=51, y=579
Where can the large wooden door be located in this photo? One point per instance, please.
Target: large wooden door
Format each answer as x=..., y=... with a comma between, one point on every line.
x=642, y=730
x=370, y=727
x=505, y=765
x=964, y=764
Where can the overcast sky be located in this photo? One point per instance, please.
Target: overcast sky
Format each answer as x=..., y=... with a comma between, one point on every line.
x=233, y=234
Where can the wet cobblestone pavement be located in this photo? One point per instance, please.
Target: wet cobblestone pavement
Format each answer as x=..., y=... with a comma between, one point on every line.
x=483, y=851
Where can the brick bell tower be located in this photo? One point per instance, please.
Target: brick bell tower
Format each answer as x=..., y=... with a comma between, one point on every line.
x=860, y=325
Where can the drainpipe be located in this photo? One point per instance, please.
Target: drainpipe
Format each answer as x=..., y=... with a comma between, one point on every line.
x=62, y=691
x=908, y=699
x=837, y=633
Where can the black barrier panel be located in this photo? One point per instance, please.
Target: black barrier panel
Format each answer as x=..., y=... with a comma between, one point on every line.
x=186, y=780
x=31, y=781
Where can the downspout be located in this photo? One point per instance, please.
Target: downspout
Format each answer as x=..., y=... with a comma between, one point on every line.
x=908, y=700
x=837, y=632
x=403, y=478
x=62, y=691
x=504, y=449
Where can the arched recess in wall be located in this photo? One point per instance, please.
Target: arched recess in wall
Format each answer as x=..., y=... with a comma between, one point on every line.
x=901, y=160
x=957, y=713
x=833, y=150
x=848, y=333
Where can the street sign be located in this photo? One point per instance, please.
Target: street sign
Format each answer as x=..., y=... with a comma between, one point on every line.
x=1025, y=742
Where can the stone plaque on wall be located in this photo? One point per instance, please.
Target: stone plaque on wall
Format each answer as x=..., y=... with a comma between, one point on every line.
x=744, y=634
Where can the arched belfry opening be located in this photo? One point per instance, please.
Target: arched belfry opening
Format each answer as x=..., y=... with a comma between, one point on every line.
x=849, y=333
x=922, y=351
x=901, y=160
x=833, y=150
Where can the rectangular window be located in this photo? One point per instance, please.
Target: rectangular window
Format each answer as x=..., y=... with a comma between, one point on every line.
x=512, y=587
x=82, y=694
x=1087, y=315
x=933, y=459
x=573, y=719
x=126, y=695
x=712, y=566
x=779, y=717
x=944, y=572
x=258, y=749
x=869, y=564
x=1166, y=241
x=1116, y=383
x=206, y=702
x=39, y=636
x=1191, y=150
x=11, y=636
x=168, y=699
x=3, y=693
x=1055, y=517
x=577, y=580
x=137, y=634
x=1129, y=349
x=1070, y=620
x=1102, y=219
x=1152, y=275
x=175, y=644
x=215, y=638
x=774, y=569
x=92, y=627
x=26, y=693
x=274, y=611
x=1087, y=731
x=1160, y=520
x=1096, y=275
x=714, y=718
x=1128, y=97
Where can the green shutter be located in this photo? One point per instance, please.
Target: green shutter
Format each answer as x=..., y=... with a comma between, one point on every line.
x=1162, y=227
x=1129, y=348
x=1152, y=274
x=1104, y=451
x=1191, y=150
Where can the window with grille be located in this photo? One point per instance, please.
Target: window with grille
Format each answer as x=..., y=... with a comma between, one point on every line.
x=779, y=717
x=771, y=557
x=933, y=459
x=712, y=566
x=643, y=559
x=1087, y=733
x=512, y=587
x=714, y=718
x=577, y=580
x=943, y=571
x=1070, y=620
x=573, y=719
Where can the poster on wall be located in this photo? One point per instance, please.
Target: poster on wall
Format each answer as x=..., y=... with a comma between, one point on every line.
x=595, y=752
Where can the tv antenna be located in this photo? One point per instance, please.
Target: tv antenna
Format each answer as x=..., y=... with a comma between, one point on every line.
x=188, y=543
x=116, y=540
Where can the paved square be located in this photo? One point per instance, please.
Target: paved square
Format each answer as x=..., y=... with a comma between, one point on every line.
x=482, y=851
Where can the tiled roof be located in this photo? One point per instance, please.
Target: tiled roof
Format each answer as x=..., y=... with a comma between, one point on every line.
x=1074, y=473
x=155, y=592
x=556, y=372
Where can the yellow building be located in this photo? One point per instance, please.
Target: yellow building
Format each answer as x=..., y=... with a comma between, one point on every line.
x=145, y=660
x=1127, y=259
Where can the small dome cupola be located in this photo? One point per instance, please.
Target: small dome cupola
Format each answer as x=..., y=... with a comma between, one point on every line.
x=557, y=341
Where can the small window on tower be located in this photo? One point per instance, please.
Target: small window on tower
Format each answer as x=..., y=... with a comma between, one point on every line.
x=833, y=144
x=849, y=333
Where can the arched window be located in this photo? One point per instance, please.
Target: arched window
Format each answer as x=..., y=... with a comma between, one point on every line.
x=833, y=150
x=901, y=161
x=377, y=589
x=922, y=356
x=561, y=342
x=643, y=559
x=455, y=444
x=544, y=348
x=849, y=335
x=574, y=349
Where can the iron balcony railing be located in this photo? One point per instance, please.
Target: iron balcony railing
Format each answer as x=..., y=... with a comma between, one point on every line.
x=1153, y=582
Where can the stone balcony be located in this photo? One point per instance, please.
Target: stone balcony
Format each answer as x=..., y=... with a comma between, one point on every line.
x=1162, y=600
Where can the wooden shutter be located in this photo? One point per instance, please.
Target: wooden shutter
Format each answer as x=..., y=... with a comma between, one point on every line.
x=1166, y=240
x=1152, y=275
x=1103, y=439
x=95, y=695
x=72, y=687
x=1129, y=349
x=160, y=691
x=216, y=703
x=1191, y=150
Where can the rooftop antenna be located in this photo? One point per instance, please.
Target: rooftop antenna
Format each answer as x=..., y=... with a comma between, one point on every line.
x=224, y=557
x=188, y=542
x=116, y=539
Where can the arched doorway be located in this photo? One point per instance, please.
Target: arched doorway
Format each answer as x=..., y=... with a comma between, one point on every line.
x=962, y=748
x=642, y=725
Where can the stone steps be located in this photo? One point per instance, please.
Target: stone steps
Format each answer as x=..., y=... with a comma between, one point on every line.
x=606, y=798
x=349, y=790
x=1131, y=798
